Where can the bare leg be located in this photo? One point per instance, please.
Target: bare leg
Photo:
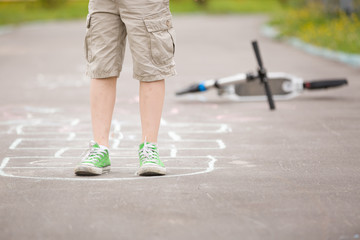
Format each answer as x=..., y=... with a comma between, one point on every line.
x=102, y=101
x=151, y=104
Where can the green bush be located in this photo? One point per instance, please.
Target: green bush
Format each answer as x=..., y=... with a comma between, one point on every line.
x=293, y=3
x=314, y=25
x=52, y=3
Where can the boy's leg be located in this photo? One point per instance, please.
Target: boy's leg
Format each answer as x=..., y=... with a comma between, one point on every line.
x=151, y=37
x=104, y=50
x=102, y=101
x=151, y=104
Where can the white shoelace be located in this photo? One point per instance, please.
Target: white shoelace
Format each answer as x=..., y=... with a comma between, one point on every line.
x=92, y=154
x=148, y=151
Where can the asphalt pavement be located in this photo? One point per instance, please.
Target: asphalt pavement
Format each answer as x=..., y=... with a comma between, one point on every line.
x=236, y=169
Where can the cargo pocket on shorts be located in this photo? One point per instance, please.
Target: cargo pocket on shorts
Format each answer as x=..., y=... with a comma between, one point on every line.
x=87, y=38
x=162, y=38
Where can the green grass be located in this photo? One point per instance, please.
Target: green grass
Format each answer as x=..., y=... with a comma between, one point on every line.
x=312, y=25
x=15, y=13
x=19, y=12
x=226, y=6
x=309, y=24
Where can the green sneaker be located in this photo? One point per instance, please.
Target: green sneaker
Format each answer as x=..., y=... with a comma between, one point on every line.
x=150, y=164
x=95, y=162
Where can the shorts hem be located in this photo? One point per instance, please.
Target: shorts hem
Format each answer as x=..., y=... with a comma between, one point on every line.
x=103, y=74
x=153, y=78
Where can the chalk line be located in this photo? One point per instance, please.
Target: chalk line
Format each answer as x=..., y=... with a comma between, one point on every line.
x=221, y=144
x=19, y=129
x=41, y=110
x=75, y=122
x=44, y=162
x=173, y=151
x=15, y=143
x=112, y=167
x=210, y=168
x=329, y=129
x=224, y=128
x=163, y=122
x=71, y=136
x=60, y=152
x=243, y=163
x=117, y=141
x=117, y=125
x=3, y=164
x=221, y=127
x=121, y=136
x=174, y=136
x=119, y=157
x=116, y=144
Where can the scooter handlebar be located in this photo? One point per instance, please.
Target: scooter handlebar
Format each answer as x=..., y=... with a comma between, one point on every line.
x=213, y=83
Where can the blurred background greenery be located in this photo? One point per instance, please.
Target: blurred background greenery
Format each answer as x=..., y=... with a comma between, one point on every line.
x=334, y=24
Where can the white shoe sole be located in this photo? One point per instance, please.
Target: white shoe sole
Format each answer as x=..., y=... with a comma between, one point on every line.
x=86, y=170
x=150, y=169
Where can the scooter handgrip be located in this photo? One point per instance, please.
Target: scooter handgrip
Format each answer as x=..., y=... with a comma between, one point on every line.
x=192, y=89
x=325, y=84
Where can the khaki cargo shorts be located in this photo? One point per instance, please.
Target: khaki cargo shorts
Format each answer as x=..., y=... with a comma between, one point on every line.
x=148, y=26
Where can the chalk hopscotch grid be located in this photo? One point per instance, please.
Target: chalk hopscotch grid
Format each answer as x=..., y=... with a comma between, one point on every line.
x=23, y=129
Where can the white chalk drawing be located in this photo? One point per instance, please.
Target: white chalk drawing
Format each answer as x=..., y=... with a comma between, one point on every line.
x=43, y=143
x=210, y=167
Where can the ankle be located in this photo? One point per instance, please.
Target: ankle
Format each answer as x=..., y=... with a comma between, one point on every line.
x=149, y=140
x=104, y=144
x=104, y=147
